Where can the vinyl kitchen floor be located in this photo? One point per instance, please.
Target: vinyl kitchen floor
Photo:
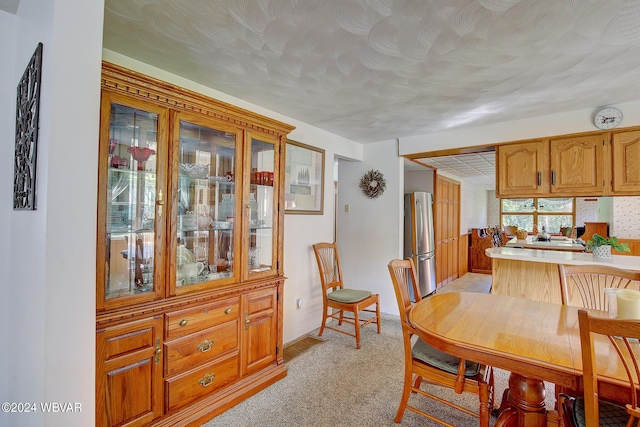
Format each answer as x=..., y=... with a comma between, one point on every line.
x=470, y=282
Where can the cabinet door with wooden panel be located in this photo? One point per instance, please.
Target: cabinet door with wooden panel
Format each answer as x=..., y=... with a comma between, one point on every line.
x=626, y=163
x=454, y=229
x=439, y=222
x=522, y=169
x=447, y=226
x=578, y=165
x=259, y=337
x=129, y=373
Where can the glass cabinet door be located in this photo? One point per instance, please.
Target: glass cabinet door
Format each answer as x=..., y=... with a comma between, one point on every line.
x=133, y=199
x=261, y=244
x=206, y=206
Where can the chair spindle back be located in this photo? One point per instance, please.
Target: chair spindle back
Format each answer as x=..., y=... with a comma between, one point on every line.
x=622, y=335
x=584, y=285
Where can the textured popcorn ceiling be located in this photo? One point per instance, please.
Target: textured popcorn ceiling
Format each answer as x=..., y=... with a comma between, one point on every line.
x=373, y=70
x=10, y=6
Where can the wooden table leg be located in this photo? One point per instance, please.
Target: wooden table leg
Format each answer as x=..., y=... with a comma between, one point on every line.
x=525, y=403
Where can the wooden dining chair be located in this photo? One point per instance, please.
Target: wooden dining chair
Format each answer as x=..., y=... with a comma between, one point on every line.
x=427, y=363
x=622, y=335
x=510, y=230
x=336, y=297
x=584, y=285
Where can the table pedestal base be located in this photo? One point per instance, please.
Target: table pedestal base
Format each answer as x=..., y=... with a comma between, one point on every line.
x=523, y=403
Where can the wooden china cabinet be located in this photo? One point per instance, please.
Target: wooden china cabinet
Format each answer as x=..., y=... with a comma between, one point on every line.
x=189, y=260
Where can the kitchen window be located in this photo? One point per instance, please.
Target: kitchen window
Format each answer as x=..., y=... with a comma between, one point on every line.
x=550, y=213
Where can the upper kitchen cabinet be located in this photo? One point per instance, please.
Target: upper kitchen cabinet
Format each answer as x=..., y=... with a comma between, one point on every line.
x=522, y=169
x=572, y=166
x=578, y=165
x=626, y=163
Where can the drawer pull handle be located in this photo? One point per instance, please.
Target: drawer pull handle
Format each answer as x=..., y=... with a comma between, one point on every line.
x=227, y=310
x=205, y=345
x=183, y=322
x=206, y=380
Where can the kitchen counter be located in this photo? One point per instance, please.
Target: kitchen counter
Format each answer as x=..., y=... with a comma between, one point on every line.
x=627, y=262
x=557, y=243
x=534, y=274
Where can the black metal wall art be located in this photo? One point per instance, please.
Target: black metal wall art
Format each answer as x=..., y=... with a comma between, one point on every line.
x=27, y=106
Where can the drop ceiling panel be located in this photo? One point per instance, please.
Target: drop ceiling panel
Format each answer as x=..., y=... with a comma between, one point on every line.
x=478, y=166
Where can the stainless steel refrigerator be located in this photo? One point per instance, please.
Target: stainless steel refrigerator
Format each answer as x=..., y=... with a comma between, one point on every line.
x=419, y=242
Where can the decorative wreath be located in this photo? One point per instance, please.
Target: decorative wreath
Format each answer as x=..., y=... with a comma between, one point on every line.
x=373, y=184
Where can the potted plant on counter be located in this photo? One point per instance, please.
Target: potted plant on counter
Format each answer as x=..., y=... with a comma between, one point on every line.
x=601, y=246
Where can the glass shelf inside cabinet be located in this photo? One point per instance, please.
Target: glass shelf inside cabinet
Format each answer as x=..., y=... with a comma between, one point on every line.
x=131, y=266
x=206, y=205
x=130, y=202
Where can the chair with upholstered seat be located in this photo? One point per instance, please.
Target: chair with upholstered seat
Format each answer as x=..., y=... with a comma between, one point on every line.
x=432, y=365
x=584, y=285
x=336, y=297
x=622, y=336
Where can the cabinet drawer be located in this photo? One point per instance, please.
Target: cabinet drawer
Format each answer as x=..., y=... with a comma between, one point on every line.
x=195, y=349
x=188, y=321
x=200, y=382
x=116, y=341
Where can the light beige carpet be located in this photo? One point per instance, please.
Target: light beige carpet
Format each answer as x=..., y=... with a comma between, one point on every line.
x=334, y=384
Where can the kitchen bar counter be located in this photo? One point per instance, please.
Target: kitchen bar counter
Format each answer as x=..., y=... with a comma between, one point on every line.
x=557, y=243
x=533, y=273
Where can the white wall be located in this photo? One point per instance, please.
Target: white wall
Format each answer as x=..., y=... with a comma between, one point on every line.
x=300, y=231
x=605, y=211
x=626, y=221
x=419, y=181
x=7, y=128
x=50, y=271
x=619, y=212
x=538, y=127
x=473, y=206
x=370, y=234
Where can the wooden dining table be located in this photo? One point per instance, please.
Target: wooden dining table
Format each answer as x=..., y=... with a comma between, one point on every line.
x=536, y=341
